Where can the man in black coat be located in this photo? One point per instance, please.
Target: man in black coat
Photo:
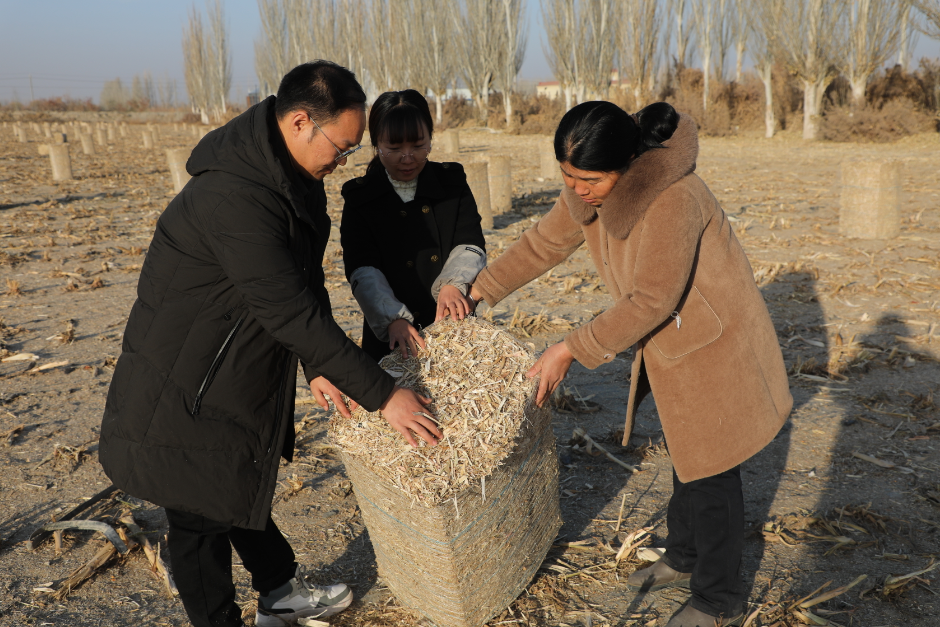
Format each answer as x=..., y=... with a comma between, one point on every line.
x=231, y=294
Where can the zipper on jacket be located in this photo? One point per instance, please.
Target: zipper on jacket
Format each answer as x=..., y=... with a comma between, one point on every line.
x=217, y=362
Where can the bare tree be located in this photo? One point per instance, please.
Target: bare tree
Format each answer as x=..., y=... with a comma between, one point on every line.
x=217, y=56
x=742, y=33
x=298, y=31
x=379, y=61
x=908, y=33
x=113, y=95
x=142, y=90
x=559, y=18
x=480, y=49
x=512, y=51
x=595, y=53
x=808, y=36
x=872, y=38
x=684, y=34
x=724, y=34
x=271, y=61
x=195, y=64
x=389, y=60
x=638, y=40
x=166, y=92
x=703, y=11
x=763, y=17
x=435, y=49
x=931, y=11
x=349, y=35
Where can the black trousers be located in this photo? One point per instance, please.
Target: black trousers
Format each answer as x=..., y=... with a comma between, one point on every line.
x=201, y=557
x=706, y=537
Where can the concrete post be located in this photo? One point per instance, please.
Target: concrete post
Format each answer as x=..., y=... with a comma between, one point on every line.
x=871, y=199
x=450, y=142
x=148, y=140
x=548, y=166
x=111, y=136
x=88, y=146
x=478, y=180
x=43, y=150
x=61, y=162
x=123, y=130
x=500, y=169
x=21, y=134
x=176, y=158
x=47, y=130
x=59, y=138
x=99, y=137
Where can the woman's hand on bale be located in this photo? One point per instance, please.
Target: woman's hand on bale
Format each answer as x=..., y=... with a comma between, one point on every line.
x=453, y=302
x=402, y=334
x=553, y=366
x=406, y=411
x=323, y=389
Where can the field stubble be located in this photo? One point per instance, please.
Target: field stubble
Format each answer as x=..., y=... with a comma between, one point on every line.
x=850, y=487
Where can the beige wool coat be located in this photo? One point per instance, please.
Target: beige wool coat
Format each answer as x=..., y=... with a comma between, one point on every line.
x=685, y=297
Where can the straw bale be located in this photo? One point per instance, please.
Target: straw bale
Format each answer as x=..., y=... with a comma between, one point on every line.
x=460, y=528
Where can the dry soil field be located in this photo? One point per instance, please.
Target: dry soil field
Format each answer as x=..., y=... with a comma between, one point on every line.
x=850, y=487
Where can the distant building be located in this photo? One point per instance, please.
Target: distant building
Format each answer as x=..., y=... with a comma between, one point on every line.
x=253, y=98
x=461, y=92
x=552, y=89
x=548, y=89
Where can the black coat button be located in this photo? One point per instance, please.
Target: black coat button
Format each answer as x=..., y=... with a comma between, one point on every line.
x=403, y=213
x=425, y=209
x=434, y=258
x=410, y=264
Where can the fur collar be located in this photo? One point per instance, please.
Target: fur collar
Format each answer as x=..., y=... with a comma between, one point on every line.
x=648, y=177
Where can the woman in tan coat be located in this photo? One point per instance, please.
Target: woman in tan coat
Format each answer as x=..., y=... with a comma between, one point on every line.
x=685, y=299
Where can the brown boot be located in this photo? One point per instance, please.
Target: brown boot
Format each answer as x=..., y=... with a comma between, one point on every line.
x=657, y=577
x=691, y=617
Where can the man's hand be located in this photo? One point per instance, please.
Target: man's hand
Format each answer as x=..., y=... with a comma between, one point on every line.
x=405, y=412
x=553, y=365
x=322, y=389
x=450, y=300
x=405, y=336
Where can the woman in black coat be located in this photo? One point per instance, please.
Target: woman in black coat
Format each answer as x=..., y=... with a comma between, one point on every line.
x=411, y=233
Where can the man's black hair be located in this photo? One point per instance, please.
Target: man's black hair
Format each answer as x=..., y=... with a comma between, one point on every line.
x=320, y=88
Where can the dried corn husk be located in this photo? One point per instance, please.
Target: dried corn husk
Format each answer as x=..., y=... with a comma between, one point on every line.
x=475, y=374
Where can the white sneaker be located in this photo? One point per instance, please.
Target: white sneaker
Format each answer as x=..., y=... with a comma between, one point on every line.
x=298, y=599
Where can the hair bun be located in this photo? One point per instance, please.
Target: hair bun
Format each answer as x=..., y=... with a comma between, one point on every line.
x=657, y=123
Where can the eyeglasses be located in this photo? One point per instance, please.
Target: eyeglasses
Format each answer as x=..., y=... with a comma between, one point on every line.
x=397, y=156
x=341, y=154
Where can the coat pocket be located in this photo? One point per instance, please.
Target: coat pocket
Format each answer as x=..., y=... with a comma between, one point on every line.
x=216, y=364
x=693, y=326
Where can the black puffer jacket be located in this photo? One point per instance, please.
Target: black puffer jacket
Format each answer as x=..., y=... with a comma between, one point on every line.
x=408, y=242
x=232, y=292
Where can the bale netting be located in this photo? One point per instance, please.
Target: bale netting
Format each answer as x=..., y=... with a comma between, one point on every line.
x=459, y=529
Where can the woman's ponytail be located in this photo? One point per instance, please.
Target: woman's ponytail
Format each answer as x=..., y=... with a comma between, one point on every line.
x=657, y=122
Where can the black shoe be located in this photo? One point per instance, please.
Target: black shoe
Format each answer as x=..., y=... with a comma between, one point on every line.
x=691, y=617
x=657, y=577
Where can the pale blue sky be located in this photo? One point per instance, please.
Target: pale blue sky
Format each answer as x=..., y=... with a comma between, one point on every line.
x=71, y=47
